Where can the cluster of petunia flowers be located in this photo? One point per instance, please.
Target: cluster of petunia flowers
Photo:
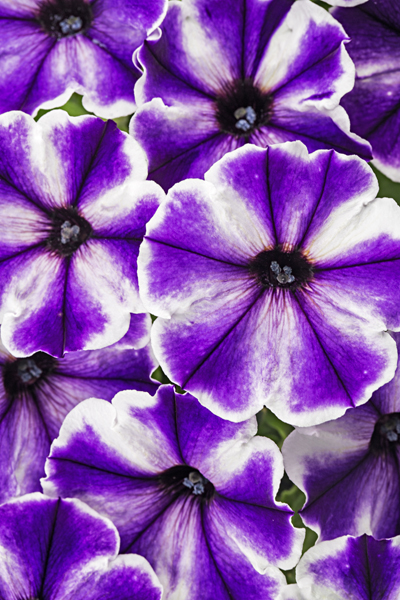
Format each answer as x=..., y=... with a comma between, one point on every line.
x=232, y=241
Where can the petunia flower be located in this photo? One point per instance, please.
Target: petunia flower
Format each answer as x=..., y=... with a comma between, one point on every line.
x=374, y=103
x=350, y=468
x=227, y=73
x=275, y=281
x=51, y=48
x=62, y=549
x=348, y=568
x=192, y=493
x=73, y=206
x=37, y=392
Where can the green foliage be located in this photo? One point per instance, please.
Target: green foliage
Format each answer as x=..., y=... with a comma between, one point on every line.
x=270, y=426
x=387, y=188
x=75, y=108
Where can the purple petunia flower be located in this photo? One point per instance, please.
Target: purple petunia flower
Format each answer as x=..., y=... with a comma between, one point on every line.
x=37, y=392
x=51, y=48
x=227, y=73
x=348, y=569
x=59, y=549
x=74, y=204
x=275, y=279
x=374, y=104
x=349, y=468
x=192, y=493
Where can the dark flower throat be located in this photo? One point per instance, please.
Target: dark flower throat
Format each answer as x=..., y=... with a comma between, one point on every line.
x=23, y=374
x=185, y=480
x=64, y=18
x=242, y=108
x=69, y=230
x=386, y=435
x=278, y=269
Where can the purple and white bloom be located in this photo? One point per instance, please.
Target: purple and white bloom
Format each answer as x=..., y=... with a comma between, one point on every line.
x=74, y=204
x=275, y=281
x=348, y=568
x=349, y=469
x=374, y=104
x=37, y=392
x=192, y=493
x=52, y=48
x=59, y=549
x=227, y=73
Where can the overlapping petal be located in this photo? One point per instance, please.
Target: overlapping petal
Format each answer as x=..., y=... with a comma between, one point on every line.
x=61, y=547
x=238, y=343
x=121, y=461
x=374, y=104
x=37, y=393
x=350, y=569
x=349, y=469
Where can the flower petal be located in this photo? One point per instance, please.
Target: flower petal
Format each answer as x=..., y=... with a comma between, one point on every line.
x=39, y=535
x=306, y=62
x=351, y=568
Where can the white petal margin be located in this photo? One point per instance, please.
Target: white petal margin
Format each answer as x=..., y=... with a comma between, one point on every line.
x=117, y=428
x=342, y=577
x=107, y=289
x=42, y=167
x=291, y=592
x=286, y=45
x=121, y=566
x=346, y=3
x=351, y=226
x=318, y=441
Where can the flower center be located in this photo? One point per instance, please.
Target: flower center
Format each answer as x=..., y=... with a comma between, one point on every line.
x=23, y=373
x=278, y=269
x=63, y=18
x=68, y=231
x=386, y=433
x=184, y=479
x=241, y=108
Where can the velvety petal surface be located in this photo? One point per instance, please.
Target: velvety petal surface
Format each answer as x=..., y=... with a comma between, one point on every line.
x=59, y=170
x=119, y=458
x=373, y=105
x=351, y=569
x=216, y=318
x=198, y=559
x=97, y=62
x=56, y=547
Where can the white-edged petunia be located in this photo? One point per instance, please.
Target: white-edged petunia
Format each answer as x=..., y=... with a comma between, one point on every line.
x=224, y=74
x=275, y=281
x=51, y=48
x=74, y=204
x=192, y=493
